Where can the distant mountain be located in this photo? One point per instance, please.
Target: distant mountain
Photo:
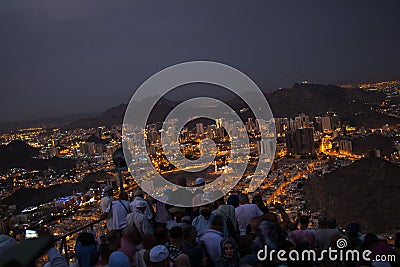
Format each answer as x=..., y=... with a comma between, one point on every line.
x=113, y=116
x=361, y=145
x=18, y=154
x=17, y=148
x=59, y=121
x=352, y=105
x=366, y=192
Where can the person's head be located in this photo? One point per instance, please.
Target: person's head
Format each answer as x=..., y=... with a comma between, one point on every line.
x=161, y=235
x=369, y=240
x=292, y=226
x=108, y=190
x=159, y=256
x=182, y=181
x=304, y=221
x=176, y=235
x=139, y=193
x=114, y=240
x=322, y=222
x=257, y=199
x=353, y=230
x=332, y=224
x=189, y=234
x=206, y=211
x=141, y=205
x=102, y=238
x=233, y=200
x=220, y=201
x=200, y=182
x=177, y=213
x=243, y=199
x=198, y=257
x=86, y=239
x=132, y=234
x=217, y=223
x=186, y=219
x=229, y=248
x=118, y=259
x=123, y=196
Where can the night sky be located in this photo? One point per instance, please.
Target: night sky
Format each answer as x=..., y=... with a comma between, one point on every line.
x=66, y=57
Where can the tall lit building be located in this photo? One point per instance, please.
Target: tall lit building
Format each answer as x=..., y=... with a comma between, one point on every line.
x=265, y=147
x=199, y=128
x=301, y=121
x=345, y=145
x=326, y=124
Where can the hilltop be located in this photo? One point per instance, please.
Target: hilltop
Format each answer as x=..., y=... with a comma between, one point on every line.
x=18, y=154
x=366, y=192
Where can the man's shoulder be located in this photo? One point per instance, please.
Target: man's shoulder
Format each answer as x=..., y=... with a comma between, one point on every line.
x=106, y=199
x=196, y=219
x=239, y=208
x=211, y=233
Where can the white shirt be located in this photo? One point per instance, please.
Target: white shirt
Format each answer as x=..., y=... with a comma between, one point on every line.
x=104, y=203
x=201, y=224
x=147, y=212
x=143, y=225
x=244, y=213
x=162, y=214
x=119, y=210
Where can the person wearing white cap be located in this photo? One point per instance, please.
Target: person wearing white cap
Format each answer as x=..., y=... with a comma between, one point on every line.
x=139, y=196
x=159, y=256
x=139, y=220
x=118, y=259
x=105, y=202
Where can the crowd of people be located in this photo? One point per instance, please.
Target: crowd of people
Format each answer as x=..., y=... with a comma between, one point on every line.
x=227, y=232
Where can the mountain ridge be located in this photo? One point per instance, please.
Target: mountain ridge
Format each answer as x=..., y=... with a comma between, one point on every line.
x=352, y=105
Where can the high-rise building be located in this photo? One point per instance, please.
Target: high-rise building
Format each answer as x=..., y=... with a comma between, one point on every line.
x=301, y=121
x=345, y=145
x=100, y=130
x=218, y=123
x=279, y=125
x=265, y=147
x=326, y=124
x=300, y=141
x=199, y=128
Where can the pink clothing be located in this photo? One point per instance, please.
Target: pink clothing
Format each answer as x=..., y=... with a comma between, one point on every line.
x=129, y=249
x=306, y=237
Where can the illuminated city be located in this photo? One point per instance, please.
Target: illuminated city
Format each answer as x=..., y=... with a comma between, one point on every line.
x=199, y=134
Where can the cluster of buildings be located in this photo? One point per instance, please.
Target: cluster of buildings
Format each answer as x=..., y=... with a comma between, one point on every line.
x=304, y=145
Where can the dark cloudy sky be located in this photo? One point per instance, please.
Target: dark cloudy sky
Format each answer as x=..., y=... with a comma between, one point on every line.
x=62, y=57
